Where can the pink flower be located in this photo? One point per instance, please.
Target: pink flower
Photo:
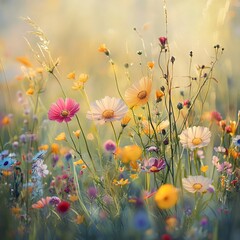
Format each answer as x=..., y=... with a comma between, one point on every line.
x=163, y=41
x=63, y=111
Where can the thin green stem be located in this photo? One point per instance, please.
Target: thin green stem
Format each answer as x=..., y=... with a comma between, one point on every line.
x=114, y=132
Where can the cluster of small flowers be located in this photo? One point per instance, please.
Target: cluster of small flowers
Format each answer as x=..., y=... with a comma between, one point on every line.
x=222, y=167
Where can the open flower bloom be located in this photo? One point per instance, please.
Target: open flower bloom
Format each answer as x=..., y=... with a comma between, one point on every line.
x=107, y=109
x=63, y=110
x=195, y=137
x=166, y=196
x=153, y=164
x=196, y=184
x=42, y=203
x=138, y=95
x=147, y=127
x=130, y=153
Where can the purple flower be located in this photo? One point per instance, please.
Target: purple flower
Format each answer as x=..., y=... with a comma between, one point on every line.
x=110, y=146
x=92, y=192
x=54, y=201
x=154, y=164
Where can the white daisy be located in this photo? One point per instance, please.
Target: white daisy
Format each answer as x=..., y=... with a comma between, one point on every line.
x=107, y=109
x=195, y=137
x=197, y=184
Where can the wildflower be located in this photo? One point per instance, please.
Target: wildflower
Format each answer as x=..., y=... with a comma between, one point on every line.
x=41, y=203
x=212, y=116
x=54, y=201
x=150, y=65
x=236, y=141
x=83, y=77
x=92, y=192
x=130, y=153
x=16, y=210
x=71, y=75
x=133, y=176
x=121, y=182
x=163, y=41
x=80, y=161
x=166, y=237
x=6, y=173
x=78, y=85
x=138, y=95
x=195, y=137
x=73, y=198
x=141, y=221
x=204, y=168
x=5, y=120
x=148, y=129
x=55, y=148
x=25, y=61
x=110, y=146
x=63, y=207
x=102, y=48
x=159, y=95
x=107, y=110
x=220, y=149
x=166, y=196
x=231, y=128
x=77, y=133
x=43, y=147
x=171, y=223
x=152, y=149
x=30, y=91
x=79, y=219
x=61, y=137
x=63, y=110
x=125, y=120
x=196, y=184
x=154, y=164
x=90, y=137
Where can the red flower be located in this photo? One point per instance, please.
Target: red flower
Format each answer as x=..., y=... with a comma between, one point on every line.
x=63, y=207
x=166, y=237
x=163, y=41
x=63, y=110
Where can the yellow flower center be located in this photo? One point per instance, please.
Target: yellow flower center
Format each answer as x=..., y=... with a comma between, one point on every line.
x=197, y=186
x=64, y=113
x=107, y=114
x=143, y=94
x=197, y=141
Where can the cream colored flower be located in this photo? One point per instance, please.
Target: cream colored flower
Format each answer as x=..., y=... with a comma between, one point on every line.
x=196, y=184
x=138, y=95
x=195, y=137
x=147, y=127
x=107, y=109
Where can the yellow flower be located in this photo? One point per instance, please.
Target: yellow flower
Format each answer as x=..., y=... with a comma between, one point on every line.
x=138, y=95
x=204, y=168
x=121, y=182
x=134, y=176
x=83, y=78
x=73, y=198
x=61, y=137
x=77, y=133
x=71, y=75
x=166, y=196
x=55, y=148
x=233, y=126
x=43, y=147
x=102, y=48
x=130, y=153
x=77, y=85
x=6, y=120
x=15, y=210
x=6, y=173
x=79, y=219
x=25, y=61
x=150, y=65
x=80, y=161
x=126, y=119
x=30, y=91
x=84, y=166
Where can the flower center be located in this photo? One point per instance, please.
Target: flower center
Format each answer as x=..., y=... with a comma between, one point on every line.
x=197, y=186
x=107, y=114
x=197, y=141
x=143, y=94
x=64, y=113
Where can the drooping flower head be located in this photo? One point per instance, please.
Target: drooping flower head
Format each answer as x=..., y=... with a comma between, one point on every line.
x=107, y=109
x=138, y=95
x=195, y=137
x=196, y=184
x=166, y=196
x=63, y=110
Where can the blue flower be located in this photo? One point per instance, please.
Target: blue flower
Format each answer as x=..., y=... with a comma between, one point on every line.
x=141, y=221
x=236, y=141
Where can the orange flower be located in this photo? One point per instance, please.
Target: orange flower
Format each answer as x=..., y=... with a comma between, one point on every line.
x=61, y=137
x=125, y=120
x=79, y=219
x=43, y=147
x=55, y=148
x=159, y=95
x=77, y=133
x=41, y=203
x=25, y=61
x=71, y=75
x=130, y=153
x=30, y=91
x=150, y=65
x=6, y=173
x=15, y=210
x=73, y=198
x=6, y=120
x=79, y=162
x=102, y=48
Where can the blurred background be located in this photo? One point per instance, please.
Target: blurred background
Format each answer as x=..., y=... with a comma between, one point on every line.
x=76, y=28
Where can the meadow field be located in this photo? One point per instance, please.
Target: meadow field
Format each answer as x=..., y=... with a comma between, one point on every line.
x=119, y=119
